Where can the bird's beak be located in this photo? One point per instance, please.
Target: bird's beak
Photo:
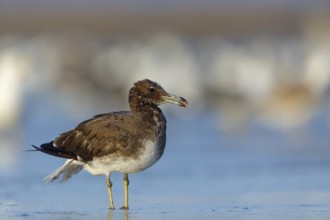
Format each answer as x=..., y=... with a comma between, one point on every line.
x=174, y=99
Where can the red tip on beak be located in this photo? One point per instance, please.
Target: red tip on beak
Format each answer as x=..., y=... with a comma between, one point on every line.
x=185, y=103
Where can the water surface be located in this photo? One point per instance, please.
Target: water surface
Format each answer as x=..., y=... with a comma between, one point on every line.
x=204, y=174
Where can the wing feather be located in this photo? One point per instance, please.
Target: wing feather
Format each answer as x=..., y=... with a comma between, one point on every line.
x=101, y=135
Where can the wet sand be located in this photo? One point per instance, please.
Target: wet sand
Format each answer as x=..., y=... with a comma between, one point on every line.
x=204, y=174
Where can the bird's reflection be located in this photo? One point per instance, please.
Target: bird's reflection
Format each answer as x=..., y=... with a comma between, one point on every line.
x=124, y=214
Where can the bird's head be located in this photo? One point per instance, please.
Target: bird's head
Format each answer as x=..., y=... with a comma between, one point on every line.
x=147, y=91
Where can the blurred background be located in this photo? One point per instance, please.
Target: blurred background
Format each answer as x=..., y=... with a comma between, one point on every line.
x=256, y=74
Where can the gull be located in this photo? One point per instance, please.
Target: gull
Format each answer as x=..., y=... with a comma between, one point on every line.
x=125, y=141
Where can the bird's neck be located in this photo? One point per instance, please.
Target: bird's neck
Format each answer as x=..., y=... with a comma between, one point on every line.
x=146, y=108
x=147, y=112
x=138, y=104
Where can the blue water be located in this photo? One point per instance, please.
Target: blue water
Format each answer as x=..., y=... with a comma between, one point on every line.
x=204, y=174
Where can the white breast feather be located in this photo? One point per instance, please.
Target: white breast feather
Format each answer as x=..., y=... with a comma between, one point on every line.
x=115, y=163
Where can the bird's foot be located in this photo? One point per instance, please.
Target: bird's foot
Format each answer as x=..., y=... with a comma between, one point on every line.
x=124, y=208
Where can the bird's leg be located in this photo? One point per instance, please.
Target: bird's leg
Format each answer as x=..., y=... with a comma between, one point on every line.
x=126, y=183
x=109, y=186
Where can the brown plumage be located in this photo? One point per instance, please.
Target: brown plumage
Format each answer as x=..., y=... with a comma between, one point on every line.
x=126, y=141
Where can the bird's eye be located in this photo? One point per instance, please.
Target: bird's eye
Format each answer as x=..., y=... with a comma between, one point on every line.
x=151, y=89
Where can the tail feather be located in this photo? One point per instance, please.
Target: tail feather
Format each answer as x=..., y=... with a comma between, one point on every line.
x=67, y=170
x=49, y=148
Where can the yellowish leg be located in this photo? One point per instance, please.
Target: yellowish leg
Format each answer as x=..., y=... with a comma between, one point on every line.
x=126, y=183
x=109, y=186
x=125, y=214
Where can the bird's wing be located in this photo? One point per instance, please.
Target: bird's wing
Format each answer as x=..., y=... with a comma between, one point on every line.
x=101, y=135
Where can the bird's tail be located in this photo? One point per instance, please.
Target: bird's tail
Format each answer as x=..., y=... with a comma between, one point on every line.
x=50, y=149
x=67, y=170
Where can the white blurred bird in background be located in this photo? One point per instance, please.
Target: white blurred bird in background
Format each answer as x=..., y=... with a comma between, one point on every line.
x=13, y=73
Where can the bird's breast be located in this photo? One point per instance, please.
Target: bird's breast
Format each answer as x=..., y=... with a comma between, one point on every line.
x=148, y=154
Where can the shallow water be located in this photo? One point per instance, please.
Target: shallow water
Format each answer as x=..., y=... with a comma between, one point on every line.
x=204, y=174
